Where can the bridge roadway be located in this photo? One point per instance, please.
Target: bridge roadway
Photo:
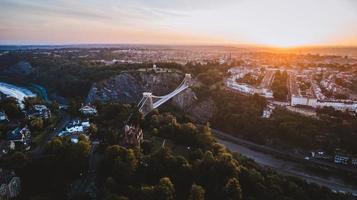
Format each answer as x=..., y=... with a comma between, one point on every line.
x=169, y=96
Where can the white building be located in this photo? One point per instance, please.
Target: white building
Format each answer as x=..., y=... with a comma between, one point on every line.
x=268, y=111
x=304, y=101
x=354, y=161
x=341, y=159
x=339, y=105
x=88, y=110
x=75, y=127
x=314, y=103
x=40, y=111
x=3, y=116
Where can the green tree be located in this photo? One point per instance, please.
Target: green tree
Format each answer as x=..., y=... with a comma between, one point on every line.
x=36, y=124
x=93, y=129
x=197, y=193
x=233, y=190
x=55, y=106
x=16, y=160
x=11, y=108
x=165, y=190
x=74, y=106
x=121, y=163
x=30, y=101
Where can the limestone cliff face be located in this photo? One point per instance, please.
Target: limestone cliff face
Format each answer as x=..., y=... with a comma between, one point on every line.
x=128, y=88
x=202, y=111
x=185, y=99
x=123, y=88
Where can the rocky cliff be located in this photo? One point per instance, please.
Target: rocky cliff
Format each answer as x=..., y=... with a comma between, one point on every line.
x=128, y=88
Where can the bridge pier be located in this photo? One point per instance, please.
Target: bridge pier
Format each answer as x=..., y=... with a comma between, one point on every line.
x=148, y=104
x=188, y=80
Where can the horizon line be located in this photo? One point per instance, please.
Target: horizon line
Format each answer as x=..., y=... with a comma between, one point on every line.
x=183, y=45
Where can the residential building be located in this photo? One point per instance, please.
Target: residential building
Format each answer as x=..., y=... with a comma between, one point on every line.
x=341, y=158
x=268, y=111
x=19, y=135
x=88, y=110
x=10, y=185
x=75, y=127
x=3, y=116
x=354, y=161
x=303, y=100
x=321, y=155
x=133, y=136
x=40, y=111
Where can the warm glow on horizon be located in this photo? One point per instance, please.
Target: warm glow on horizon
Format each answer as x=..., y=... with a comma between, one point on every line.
x=277, y=23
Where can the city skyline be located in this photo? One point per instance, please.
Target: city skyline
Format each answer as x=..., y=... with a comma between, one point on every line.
x=275, y=23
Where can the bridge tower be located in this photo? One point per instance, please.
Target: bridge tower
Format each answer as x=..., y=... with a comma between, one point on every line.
x=188, y=80
x=147, y=103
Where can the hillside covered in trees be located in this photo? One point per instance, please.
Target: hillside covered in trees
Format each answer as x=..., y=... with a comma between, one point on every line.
x=178, y=160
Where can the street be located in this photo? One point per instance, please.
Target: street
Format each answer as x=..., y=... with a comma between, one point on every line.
x=65, y=118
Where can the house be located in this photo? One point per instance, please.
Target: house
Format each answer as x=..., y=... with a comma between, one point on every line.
x=3, y=117
x=268, y=111
x=10, y=185
x=75, y=127
x=319, y=154
x=19, y=135
x=354, y=161
x=133, y=136
x=88, y=110
x=40, y=111
x=341, y=158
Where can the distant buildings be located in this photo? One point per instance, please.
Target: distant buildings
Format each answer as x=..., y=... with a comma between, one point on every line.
x=239, y=72
x=10, y=185
x=313, y=97
x=342, y=105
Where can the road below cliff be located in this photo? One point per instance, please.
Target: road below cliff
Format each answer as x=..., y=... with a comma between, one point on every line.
x=288, y=167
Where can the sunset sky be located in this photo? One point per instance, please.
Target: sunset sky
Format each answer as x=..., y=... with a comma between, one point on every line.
x=281, y=23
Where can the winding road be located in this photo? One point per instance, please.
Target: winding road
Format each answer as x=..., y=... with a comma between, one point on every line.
x=282, y=166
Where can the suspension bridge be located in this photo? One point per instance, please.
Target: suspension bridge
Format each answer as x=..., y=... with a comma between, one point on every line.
x=150, y=101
